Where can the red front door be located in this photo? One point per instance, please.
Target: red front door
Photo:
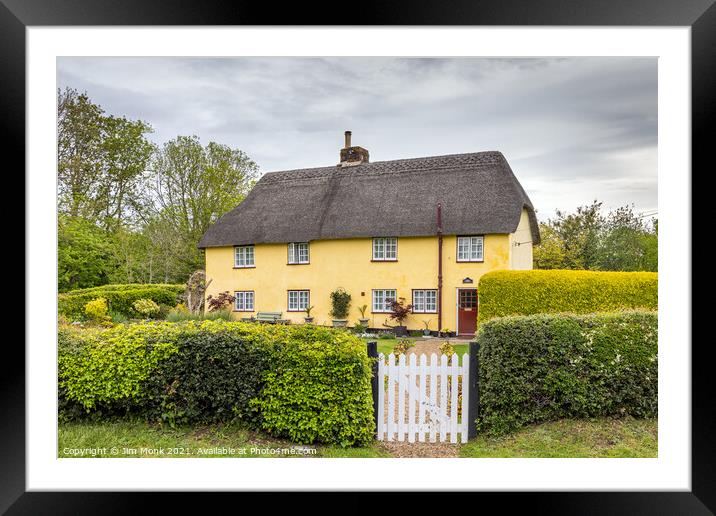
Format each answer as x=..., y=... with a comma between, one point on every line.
x=466, y=311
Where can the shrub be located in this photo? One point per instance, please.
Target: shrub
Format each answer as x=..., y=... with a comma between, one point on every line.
x=221, y=302
x=545, y=367
x=399, y=311
x=97, y=311
x=318, y=388
x=303, y=382
x=503, y=293
x=447, y=349
x=403, y=346
x=120, y=298
x=146, y=307
x=175, y=315
x=340, y=303
x=212, y=377
x=360, y=328
x=103, y=368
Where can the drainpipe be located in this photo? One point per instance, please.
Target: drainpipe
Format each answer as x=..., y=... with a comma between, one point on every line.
x=440, y=268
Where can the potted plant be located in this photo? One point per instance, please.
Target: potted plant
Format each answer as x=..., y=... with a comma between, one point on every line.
x=308, y=317
x=399, y=312
x=340, y=303
x=426, y=331
x=363, y=320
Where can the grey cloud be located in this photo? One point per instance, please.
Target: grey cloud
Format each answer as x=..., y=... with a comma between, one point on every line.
x=573, y=129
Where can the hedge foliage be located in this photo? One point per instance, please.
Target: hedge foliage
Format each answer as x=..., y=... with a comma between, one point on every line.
x=504, y=293
x=319, y=393
x=306, y=383
x=120, y=298
x=545, y=367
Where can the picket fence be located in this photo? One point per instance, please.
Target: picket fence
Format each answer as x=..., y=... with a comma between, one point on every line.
x=423, y=399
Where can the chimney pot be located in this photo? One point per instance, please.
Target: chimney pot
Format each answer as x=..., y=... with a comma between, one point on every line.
x=348, y=139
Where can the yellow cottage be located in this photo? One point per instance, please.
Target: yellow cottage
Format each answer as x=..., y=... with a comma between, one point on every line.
x=422, y=230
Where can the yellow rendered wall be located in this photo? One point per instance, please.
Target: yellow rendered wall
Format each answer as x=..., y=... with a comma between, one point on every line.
x=347, y=263
x=521, y=258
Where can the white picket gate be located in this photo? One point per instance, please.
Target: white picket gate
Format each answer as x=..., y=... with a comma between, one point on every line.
x=422, y=399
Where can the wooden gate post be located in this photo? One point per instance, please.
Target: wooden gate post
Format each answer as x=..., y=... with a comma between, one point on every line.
x=373, y=353
x=474, y=389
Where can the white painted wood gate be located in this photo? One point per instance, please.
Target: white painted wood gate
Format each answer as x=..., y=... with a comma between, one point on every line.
x=417, y=399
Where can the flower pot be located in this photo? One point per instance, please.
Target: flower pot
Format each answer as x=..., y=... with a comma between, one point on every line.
x=400, y=331
x=426, y=333
x=308, y=320
x=340, y=323
x=364, y=322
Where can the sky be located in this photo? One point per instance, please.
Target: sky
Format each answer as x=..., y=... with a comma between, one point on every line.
x=573, y=129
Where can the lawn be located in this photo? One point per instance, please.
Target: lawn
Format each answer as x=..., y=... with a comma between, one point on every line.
x=572, y=438
x=386, y=346
x=566, y=438
x=136, y=439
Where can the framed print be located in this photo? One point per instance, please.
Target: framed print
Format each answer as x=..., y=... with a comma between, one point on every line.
x=417, y=251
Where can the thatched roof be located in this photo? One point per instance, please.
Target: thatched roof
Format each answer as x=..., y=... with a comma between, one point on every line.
x=478, y=192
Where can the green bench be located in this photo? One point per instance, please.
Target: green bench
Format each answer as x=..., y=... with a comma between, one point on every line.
x=271, y=317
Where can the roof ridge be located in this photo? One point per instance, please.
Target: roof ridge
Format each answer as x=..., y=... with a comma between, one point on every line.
x=399, y=160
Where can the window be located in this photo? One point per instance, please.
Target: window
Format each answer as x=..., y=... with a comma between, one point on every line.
x=425, y=301
x=470, y=248
x=298, y=300
x=382, y=299
x=244, y=301
x=244, y=256
x=298, y=252
x=385, y=249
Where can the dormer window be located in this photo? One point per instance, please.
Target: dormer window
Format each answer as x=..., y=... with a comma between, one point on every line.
x=298, y=253
x=244, y=256
x=385, y=249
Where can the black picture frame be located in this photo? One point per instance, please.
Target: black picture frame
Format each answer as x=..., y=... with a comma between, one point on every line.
x=700, y=15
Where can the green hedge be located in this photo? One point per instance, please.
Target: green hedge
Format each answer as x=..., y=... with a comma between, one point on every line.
x=503, y=293
x=306, y=383
x=119, y=298
x=545, y=367
x=318, y=392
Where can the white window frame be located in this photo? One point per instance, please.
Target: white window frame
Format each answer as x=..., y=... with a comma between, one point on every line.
x=297, y=307
x=244, y=256
x=384, y=294
x=421, y=306
x=471, y=248
x=385, y=249
x=295, y=252
x=242, y=297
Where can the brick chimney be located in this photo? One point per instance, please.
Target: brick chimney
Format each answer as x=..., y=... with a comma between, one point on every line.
x=352, y=156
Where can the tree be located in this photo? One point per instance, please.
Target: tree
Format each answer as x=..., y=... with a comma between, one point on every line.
x=628, y=244
x=190, y=186
x=619, y=241
x=132, y=212
x=101, y=159
x=85, y=257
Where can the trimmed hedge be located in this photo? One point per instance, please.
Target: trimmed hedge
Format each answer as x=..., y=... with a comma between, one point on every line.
x=504, y=293
x=545, y=367
x=306, y=383
x=319, y=393
x=120, y=298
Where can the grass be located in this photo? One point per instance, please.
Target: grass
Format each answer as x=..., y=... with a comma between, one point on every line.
x=176, y=316
x=141, y=440
x=386, y=346
x=598, y=438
